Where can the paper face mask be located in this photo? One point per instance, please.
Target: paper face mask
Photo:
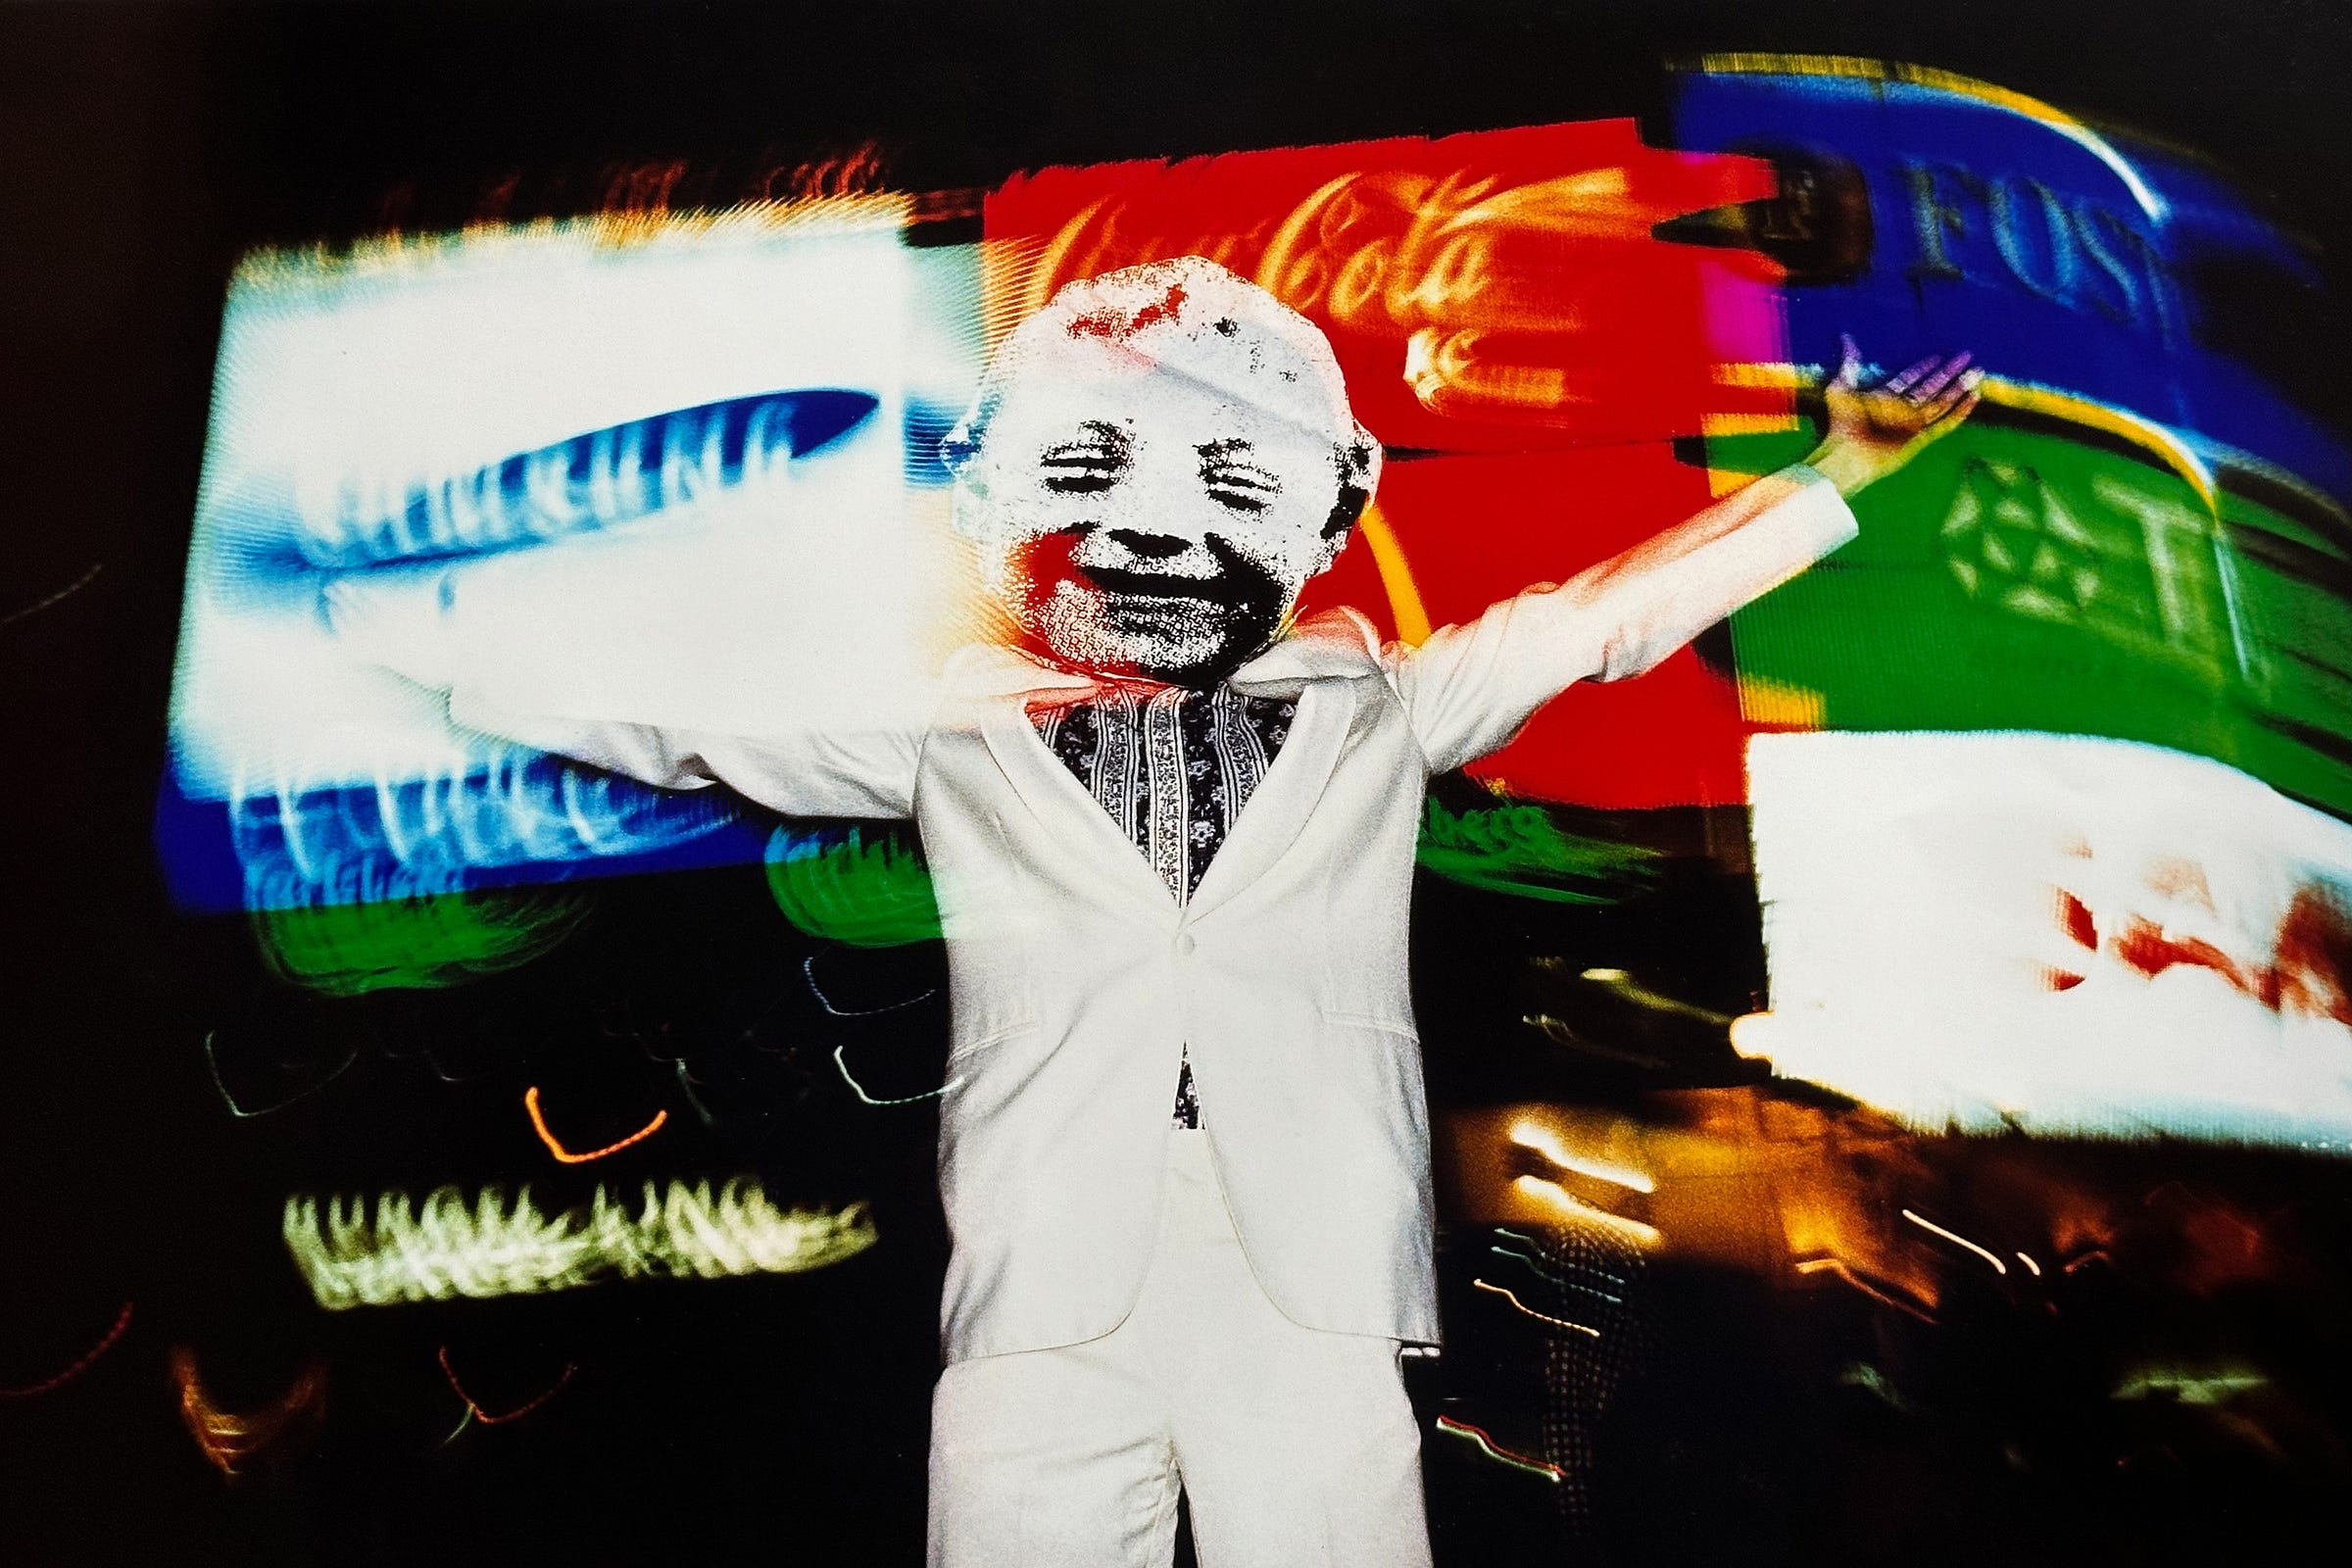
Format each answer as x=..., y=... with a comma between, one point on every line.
x=1159, y=461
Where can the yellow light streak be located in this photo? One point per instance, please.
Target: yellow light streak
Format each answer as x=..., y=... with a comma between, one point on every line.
x=229, y=1438
x=2188, y=1386
x=1395, y=577
x=1927, y=77
x=2167, y=445
x=1765, y=701
x=490, y=1246
x=2071, y=408
x=406, y=252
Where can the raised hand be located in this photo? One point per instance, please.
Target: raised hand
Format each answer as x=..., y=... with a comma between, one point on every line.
x=1874, y=430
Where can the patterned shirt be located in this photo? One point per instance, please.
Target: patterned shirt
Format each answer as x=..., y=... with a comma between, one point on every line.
x=1173, y=769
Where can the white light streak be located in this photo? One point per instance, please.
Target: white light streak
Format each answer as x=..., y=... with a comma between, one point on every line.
x=1619, y=983
x=1958, y=1240
x=858, y=1089
x=1534, y=1135
x=1576, y=1207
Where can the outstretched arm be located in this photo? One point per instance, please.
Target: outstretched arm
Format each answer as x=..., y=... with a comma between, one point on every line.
x=1470, y=688
x=857, y=758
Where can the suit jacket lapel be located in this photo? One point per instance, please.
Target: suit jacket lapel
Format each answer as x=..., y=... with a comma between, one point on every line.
x=1284, y=799
x=1313, y=665
x=1001, y=682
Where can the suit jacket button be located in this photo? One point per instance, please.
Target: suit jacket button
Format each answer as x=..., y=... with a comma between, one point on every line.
x=1184, y=943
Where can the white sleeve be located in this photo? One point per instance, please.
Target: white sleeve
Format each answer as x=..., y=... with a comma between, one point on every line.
x=832, y=771
x=836, y=757
x=1470, y=688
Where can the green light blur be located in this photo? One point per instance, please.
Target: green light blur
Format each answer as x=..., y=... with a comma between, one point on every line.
x=865, y=892
x=2011, y=579
x=1519, y=849
x=422, y=944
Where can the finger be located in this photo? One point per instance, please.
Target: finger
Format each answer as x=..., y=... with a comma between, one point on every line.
x=1946, y=417
x=1950, y=392
x=1937, y=379
x=1849, y=365
x=1900, y=381
x=1932, y=410
x=1967, y=385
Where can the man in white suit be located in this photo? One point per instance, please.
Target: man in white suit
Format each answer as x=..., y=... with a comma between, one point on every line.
x=1184, y=1146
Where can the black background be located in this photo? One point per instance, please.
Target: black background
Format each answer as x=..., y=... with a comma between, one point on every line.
x=142, y=149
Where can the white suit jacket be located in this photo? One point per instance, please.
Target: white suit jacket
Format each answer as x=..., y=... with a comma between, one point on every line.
x=1077, y=980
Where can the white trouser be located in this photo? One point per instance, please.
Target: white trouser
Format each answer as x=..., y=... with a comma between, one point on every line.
x=1296, y=1448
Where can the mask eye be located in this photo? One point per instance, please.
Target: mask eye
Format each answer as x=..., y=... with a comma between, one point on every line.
x=1080, y=479
x=1240, y=486
x=1087, y=467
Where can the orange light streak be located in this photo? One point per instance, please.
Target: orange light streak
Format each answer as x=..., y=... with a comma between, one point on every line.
x=228, y=1438
x=531, y=1102
x=1837, y=1267
x=122, y=1322
x=1511, y=1296
x=1395, y=575
x=485, y=1418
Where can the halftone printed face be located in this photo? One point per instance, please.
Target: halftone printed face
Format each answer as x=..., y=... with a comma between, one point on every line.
x=1150, y=527
x=1152, y=494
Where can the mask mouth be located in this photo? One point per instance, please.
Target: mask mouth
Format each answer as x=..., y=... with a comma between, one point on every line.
x=1180, y=627
x=1124, y=583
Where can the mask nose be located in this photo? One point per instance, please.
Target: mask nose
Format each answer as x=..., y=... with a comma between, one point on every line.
x=1148, y=546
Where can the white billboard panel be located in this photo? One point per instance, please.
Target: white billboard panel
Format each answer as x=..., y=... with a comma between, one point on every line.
x=2058, y=933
